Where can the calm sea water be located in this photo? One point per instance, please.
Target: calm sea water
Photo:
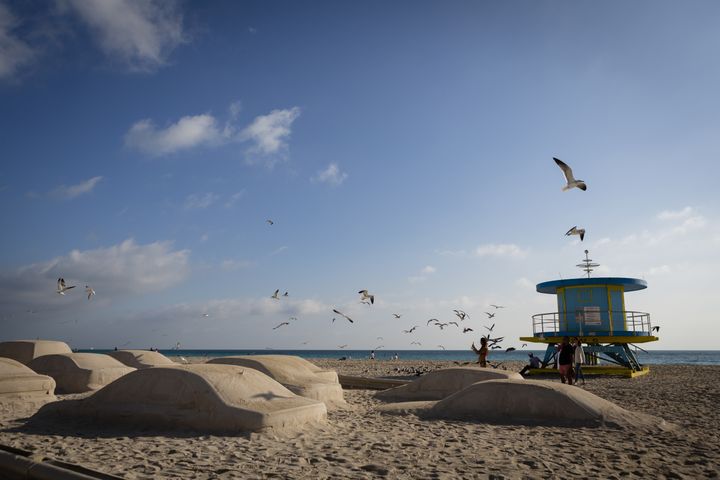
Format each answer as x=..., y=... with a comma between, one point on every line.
x=653, y=357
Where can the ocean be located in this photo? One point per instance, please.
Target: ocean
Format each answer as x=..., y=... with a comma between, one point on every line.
x=652, y=357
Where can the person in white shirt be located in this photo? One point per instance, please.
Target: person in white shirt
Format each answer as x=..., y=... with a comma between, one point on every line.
x=579, y=360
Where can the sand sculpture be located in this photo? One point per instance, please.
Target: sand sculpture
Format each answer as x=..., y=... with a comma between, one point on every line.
x=19, y=385
x=140, y=358
x=80, y=372
x=25, y=350
x=442, y=383
x=529, y=402
x=294, y=373
x=201, y=397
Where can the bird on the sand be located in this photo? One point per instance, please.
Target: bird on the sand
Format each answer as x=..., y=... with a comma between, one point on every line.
x=62, y=288
x=576, y=231
x=490, y=315
x=466, y=330
x=461, y=315
x=275, y=295
x=364, y=295
x=656, y=328
x=397, y=315
x=490, y=328
x=343, y=315
x=496, y=306
x=90, y=292
x=283, y=323
x=269, y=222
x=440, y=346
x=569, y=178
x=509, y=349
x=411, y=330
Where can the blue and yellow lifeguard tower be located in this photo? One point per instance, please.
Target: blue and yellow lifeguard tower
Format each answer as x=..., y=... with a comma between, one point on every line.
x=593, y=309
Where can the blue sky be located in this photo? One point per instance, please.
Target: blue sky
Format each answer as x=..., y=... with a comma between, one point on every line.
x=401, y=147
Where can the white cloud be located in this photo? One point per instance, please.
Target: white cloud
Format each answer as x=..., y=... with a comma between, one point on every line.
x=331, y=175
x=270, y=134
x=119, y=269
x=15, y=54
x=424, y=272
x=75, y=190
x=200, y=200
x=279, y=250
x=142, y=35
x=233, y=199
x=204, y=237
x=675, y=214
x=428, y=269
x=186, y=133
x=232, y=265
x=500, y=250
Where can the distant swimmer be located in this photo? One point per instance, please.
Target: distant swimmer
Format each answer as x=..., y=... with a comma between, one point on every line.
x=62, y=288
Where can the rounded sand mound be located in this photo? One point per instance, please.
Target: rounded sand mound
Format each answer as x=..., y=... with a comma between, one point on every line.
x=202, y=397
x=442, y=383
x=25, y=350
x=80, y=372
x=297, y=374
x=140, y=358
x=21, y=386
x=534, y=402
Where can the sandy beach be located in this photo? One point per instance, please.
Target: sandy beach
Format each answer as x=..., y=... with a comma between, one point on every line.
x=360, y=442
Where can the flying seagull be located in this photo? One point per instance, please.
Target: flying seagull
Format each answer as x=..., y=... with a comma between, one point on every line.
x=411, y=330
x=454, y=323
x=461, y=315
x=397, y=315
x=285, y=294
x=342, y=346
x=283, y=323
x=656, y=328
x=465, y=330
x=440, y=346
x=380, y=338
x=343, y=315
x=441, y=325
x=270, y=222
x=576, y=231
x=509, y=349
x=90, y=292
x=366, y=303
x=206, y=315
x=496, y=306
x=490, y=328
x=490, y=315
x=415, y=343
x=61, y=288
x=379, y=347
x=275, y=295
x=524, y=345
x=364, y=295
x=567, y=171
x=432, y=320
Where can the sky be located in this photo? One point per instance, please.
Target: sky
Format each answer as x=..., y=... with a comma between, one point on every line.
x=401, y=147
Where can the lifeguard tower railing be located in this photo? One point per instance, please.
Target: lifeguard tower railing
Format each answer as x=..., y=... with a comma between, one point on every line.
x=622, y=323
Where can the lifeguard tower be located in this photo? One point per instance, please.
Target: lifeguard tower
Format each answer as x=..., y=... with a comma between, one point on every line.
x=593, y=309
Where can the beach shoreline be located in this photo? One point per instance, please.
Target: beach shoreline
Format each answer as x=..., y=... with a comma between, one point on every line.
x=360, y=442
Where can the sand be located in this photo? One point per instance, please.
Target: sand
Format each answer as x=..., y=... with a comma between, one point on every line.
x=361, y=442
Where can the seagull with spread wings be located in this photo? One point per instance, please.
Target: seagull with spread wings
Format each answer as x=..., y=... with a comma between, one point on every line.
x=569, y=178
x=576, y=231
x=397, y=315
x=342, y=315
x=62, y=288
x=283, y=323
x=275, y=295
x=364, y=295
x=490, y=315
x=90, y=292
x=411, y=330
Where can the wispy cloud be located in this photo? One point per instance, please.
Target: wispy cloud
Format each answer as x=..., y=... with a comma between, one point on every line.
x=500, y=250
x=73, y=191
x=141, y=35
x=425, y=272
x=331, y=175
x=231, y=265
x=15, y=53
x=234, y=198
x=186, y=133
x=200, y=200
x=269, y=134
x=675, y=214
x=278, y=251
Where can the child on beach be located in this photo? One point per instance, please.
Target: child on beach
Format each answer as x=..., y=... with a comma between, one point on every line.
x=579, y=360
x=566, y=356
x=482, y=352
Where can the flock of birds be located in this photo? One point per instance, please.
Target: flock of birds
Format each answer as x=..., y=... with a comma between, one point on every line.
x=62, y=288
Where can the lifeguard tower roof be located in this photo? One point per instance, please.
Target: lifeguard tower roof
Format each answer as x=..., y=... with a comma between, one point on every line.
x=628, y=284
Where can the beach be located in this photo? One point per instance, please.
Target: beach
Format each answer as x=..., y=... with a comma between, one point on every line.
x=360, y=442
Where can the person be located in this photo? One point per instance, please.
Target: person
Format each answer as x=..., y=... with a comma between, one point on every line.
x=579, y=360
x=372, y=355
x=533, y=362
x=566, y=356
x=482, y=352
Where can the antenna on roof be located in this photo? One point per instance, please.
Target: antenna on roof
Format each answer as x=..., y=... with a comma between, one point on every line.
x=587, y=266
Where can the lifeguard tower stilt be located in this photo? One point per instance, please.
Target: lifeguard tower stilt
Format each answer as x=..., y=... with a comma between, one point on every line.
x=593, y=309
